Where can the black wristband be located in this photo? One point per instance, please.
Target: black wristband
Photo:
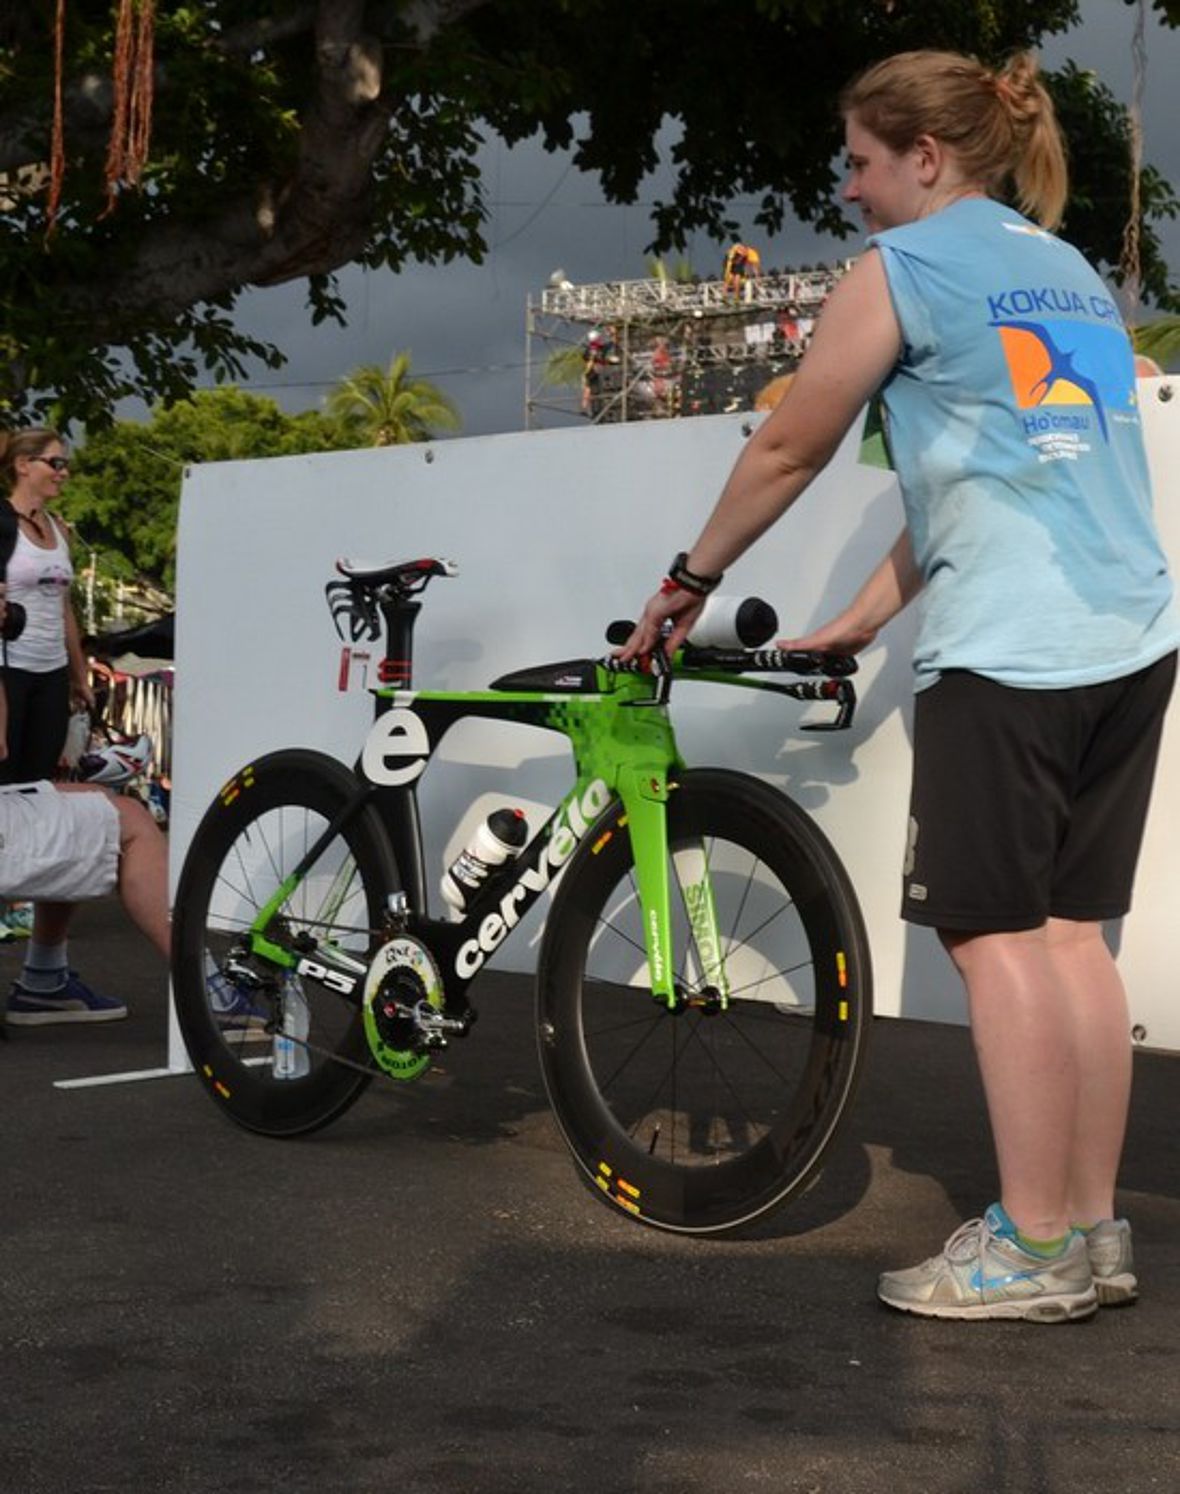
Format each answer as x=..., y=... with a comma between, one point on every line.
x=687, y=580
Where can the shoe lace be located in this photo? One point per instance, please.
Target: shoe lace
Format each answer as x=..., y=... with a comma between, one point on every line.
x=967, y=1241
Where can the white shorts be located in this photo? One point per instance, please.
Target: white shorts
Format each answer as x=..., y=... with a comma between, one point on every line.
x=57, y=847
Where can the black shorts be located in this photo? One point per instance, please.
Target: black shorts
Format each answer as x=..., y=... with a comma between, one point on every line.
x=1029, y=804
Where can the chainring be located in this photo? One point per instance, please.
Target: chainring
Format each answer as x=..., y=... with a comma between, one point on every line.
x=403, y=971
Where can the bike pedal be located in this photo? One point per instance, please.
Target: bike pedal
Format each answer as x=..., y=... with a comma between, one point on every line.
x=431, y=1022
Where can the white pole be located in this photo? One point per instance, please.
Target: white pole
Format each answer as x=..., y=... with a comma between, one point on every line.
x=90, y=591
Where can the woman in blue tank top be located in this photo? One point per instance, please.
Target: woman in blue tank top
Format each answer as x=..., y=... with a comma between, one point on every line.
x=1046, y=646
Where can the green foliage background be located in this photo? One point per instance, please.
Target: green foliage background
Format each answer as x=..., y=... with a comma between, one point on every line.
x=255, y=130
x=124, y=491
x=292, y=139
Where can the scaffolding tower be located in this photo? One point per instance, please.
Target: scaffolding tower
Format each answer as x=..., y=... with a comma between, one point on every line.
x=658, y=348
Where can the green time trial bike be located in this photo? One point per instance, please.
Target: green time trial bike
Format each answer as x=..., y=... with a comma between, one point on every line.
x=703, y=989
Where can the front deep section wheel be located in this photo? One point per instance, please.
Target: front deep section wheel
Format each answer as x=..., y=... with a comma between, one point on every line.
x=282, y=1053
x=702, y=1118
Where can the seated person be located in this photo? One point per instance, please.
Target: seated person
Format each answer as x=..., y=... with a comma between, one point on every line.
x=61, y=844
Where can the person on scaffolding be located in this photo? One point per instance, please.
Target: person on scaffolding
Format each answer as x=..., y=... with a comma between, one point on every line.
x=742, y=263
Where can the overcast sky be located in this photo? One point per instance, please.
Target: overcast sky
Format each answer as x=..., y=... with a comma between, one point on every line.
x=465, y=324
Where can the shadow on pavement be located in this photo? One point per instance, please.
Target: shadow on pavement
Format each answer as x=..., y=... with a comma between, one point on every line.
x=423, y=1299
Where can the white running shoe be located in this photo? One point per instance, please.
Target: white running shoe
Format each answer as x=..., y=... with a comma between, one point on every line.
x=1108, y=1245
x=983, y=1273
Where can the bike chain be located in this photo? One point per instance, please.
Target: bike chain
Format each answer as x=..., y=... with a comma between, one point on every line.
x=374, y=1071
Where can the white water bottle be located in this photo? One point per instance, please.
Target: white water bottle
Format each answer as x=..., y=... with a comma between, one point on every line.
x=291, y=1058
x=498, y=839
x=734, y=622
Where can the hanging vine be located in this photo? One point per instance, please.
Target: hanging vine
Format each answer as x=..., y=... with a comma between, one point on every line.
x=131, y=124
x=57, y=149
x=1130, y=269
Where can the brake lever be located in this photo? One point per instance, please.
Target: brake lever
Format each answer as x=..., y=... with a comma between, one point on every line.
x=660, y=669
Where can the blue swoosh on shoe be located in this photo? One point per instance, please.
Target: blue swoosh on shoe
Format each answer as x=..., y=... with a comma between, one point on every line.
x=981, y=1283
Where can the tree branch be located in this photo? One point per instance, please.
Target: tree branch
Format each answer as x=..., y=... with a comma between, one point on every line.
x=252, y=35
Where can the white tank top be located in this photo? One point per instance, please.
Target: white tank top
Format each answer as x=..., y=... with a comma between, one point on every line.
x=39, y=579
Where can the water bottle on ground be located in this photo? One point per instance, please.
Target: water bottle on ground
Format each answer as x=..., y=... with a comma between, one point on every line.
x=500, y=838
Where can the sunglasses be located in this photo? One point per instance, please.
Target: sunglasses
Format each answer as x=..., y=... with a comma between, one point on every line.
x=59, y=464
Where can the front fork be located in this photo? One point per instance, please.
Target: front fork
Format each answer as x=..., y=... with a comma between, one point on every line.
x=645, y=791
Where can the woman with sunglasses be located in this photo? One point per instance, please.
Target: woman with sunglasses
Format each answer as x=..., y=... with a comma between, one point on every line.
x=45, y=674
x=45, y=668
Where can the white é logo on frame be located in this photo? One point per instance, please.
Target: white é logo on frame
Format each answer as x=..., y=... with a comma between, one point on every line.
x=396, y=749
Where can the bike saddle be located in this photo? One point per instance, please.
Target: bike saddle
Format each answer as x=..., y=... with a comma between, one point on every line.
x=354, y=601
x=408, y=576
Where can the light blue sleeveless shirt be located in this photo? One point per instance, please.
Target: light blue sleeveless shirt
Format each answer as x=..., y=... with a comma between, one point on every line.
x=1014, y=430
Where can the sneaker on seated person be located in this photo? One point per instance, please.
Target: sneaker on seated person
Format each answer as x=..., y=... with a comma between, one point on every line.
x=72, y=1001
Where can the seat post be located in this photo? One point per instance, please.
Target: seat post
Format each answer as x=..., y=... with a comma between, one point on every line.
x=399, y=806
x=397, y=668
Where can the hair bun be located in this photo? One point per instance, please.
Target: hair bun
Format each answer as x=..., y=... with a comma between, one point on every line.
x=1018, y=87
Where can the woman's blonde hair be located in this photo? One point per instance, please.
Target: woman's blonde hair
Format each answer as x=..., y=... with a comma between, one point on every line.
x=1000, y=124
x=26, y=443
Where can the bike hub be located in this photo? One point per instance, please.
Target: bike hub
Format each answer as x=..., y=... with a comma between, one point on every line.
x=707, y=1002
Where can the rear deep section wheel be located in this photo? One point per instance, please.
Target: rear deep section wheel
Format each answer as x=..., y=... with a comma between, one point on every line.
x=282, y=1053
x=702, y=1118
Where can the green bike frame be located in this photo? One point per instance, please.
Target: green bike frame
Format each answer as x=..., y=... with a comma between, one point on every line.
x=626, y=758
x=625, y=755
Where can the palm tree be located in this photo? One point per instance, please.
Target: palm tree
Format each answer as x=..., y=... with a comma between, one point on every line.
x=1159, y=340
x=681, y=272
x=565, y=365
x=386, y=407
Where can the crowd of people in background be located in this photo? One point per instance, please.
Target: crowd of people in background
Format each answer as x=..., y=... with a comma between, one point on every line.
x=715, y=363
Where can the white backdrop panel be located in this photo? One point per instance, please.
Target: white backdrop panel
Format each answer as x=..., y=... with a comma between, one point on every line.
x=555, y=534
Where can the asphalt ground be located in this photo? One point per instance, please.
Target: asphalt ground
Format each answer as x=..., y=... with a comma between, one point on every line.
x=424, y=1299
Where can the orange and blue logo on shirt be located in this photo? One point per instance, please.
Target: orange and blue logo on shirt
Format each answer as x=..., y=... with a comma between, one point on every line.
x=1068, y=367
